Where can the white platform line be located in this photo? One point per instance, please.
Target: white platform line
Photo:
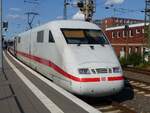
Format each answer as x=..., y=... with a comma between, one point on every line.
x=39, y=94
x=105, y=107
x=147, y=87
x=136, y=83
x=114, y=111
x=68, y=95
x=141, y=92
x=142, y=85
x=147, y=95
x=135, y=90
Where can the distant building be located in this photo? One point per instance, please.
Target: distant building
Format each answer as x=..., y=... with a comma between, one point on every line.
x=116, y=21
x=127, y=39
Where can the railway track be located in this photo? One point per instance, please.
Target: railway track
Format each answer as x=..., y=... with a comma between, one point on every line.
x=115, y=107
x=112, y=105
x=108, y=105
x=139, y=86
x=136, y=70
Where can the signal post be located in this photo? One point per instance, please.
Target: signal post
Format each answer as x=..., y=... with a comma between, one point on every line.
x=1, y=51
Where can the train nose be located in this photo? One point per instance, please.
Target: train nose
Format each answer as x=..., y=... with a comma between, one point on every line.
x=101, y=88
x=99, y=79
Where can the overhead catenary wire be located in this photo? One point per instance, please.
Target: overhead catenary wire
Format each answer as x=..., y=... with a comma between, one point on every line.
x=31, y=15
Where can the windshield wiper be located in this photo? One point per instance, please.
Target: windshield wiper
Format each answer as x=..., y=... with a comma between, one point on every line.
x=78, y=44
x=92, y=47
x=102, y=43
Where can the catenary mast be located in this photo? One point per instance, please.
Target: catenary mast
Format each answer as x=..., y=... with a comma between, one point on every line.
x=87, y=7
x=1, y=37
x=147, y=21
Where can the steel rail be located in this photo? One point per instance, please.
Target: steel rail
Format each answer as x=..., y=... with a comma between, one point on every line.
x=137, y=70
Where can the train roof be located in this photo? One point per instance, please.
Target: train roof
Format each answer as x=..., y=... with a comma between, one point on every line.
x=74, y=24
x=57, y=24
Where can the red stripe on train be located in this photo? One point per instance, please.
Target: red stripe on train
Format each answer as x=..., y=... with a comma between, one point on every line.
x=115, y=78
x=59, y=70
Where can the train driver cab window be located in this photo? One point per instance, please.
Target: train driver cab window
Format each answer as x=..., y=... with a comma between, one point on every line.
x=40, y=36
x=51, y=39
x=84, y=36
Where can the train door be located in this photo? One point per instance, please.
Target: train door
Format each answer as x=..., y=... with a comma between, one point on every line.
x=50, y=53
x=42, y=47
x=33, y=48
x=56, y=59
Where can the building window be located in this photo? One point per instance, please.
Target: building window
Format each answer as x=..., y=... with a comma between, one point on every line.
x=130, y=49
x=131, y=33
x=125, y=33
x=114, y=34
x=142, y=30
x=136, y=49
x=123, y=49
x=138, y=31
x=40, y=36
x=118, y=34
x=116, y=20
x=121, y=21
x=51, y=39
x=122, y=52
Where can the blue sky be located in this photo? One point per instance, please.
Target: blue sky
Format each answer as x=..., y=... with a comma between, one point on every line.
x=14, y=11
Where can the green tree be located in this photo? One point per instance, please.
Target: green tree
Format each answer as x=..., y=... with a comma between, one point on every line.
x=134, y=59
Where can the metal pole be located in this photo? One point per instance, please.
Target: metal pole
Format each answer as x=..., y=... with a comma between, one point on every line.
x=86, y=9
x=1, y=51
x=65, y=9
x=127, y=31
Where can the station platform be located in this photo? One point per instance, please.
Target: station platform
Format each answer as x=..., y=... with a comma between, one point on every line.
x=23, y=92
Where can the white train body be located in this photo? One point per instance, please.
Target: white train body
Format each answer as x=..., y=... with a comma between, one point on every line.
x=61, y=51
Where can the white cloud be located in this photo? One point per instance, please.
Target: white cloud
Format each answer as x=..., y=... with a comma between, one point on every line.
x=59, y=17
x=15, y=9
x=110, y=2
x=78, y=16
x=15, y=16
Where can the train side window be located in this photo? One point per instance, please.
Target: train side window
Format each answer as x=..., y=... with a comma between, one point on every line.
x=40, y=36
x=51, y=39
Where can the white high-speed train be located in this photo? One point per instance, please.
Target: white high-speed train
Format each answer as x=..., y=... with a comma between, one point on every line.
x=75, y=55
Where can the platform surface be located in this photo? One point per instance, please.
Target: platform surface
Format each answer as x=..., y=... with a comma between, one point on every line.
x=16, y=96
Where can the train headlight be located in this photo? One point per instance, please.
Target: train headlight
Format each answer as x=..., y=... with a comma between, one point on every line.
x=116, y=69
x=84, y=71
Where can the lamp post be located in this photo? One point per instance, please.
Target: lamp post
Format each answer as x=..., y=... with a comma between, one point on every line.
x=1, y=51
